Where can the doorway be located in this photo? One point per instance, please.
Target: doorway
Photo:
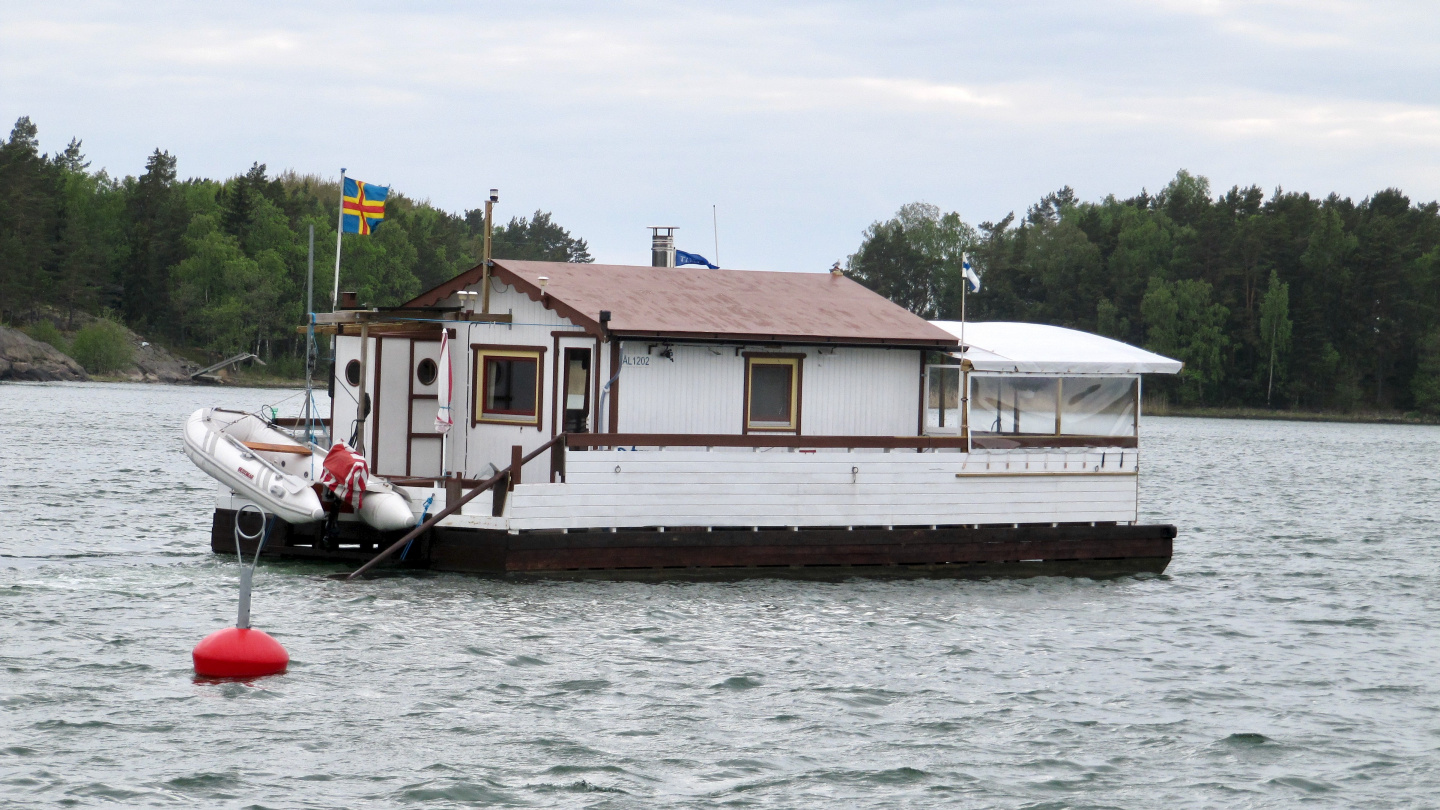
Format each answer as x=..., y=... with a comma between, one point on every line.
x=577, y=391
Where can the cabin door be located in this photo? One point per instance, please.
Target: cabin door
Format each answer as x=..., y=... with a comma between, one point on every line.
x=405, y=442
x=576, y=403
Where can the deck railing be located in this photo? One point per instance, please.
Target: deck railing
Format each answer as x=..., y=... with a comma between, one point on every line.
x=588, y=441
x=920, y=443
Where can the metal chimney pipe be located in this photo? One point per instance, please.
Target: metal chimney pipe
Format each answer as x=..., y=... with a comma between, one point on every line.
x=662, y=245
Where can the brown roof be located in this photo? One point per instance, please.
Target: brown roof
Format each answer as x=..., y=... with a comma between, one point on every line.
x=710, y=304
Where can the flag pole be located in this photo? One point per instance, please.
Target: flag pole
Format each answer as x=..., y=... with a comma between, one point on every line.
x=339, y=228
x=964, y=378
x=310, y=339
x=964, y=286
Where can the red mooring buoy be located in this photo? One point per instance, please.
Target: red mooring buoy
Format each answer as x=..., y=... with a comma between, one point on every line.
x=239, y=652
x=242, y=651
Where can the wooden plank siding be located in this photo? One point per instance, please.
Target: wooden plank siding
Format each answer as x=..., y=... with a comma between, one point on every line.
x=779, y=488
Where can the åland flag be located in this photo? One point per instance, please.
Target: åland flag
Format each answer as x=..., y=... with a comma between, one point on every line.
x=363, y=207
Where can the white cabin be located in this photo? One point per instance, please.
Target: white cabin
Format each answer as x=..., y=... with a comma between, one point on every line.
x=725, y=398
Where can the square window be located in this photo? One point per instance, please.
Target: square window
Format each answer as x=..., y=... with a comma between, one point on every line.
x=772, y=400
x=509, y=385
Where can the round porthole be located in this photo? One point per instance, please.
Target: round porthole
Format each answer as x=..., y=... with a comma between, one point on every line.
x=426, y=372
x=352, y=372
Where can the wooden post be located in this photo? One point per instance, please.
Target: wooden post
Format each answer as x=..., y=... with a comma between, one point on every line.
x=517, y=462
x=500, y=493
x=1059, y=401
x=557, y=460
x=965, y=404
x=452, y=488
x=360, y=410
x=611, y=418
x=1136, y=387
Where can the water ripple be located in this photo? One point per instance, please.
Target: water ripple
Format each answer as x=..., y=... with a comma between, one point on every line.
x=1282, y=660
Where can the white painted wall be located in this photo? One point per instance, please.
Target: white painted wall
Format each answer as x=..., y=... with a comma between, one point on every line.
x=480, y=446
x=828, y=488
x=344, y=402
x=862, y=392
x=846, y=391
x=700, y=391
x=850, y=392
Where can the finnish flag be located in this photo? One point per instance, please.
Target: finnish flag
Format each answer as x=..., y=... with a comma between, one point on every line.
x=970, y=276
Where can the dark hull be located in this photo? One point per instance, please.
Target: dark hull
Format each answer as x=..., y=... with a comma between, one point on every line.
x=1075, y=550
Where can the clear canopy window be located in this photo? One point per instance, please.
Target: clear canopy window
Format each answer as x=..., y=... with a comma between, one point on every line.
x=1098, y=406
x=1071, y=406
x=1013, y=405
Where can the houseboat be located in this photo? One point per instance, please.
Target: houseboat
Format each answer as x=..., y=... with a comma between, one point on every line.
x=662, y=422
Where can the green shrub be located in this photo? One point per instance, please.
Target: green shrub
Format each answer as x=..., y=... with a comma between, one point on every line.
x=45, y=331
x=102, y=347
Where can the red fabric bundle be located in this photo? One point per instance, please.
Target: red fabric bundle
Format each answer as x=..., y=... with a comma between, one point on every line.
x=345, y=474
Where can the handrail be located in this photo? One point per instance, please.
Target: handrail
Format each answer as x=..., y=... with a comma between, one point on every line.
x=996, y=441
x=451, y=509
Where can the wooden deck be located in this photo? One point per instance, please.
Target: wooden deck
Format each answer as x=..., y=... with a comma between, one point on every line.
x=1086, y=550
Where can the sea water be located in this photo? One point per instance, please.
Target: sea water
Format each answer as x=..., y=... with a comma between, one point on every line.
x=1288, y=657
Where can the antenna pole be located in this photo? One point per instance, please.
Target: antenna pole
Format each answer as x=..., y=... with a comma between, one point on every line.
x=715, y=221
x=485, y=260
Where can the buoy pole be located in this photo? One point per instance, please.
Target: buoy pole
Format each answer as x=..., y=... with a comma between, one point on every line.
x=247, y=576
x=242, y=651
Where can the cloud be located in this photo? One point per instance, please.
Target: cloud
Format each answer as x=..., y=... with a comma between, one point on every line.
x=835, y=112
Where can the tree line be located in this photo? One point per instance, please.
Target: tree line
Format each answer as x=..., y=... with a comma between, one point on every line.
x=218, y=265
x=1285, y=300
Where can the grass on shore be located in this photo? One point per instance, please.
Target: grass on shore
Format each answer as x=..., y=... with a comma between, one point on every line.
x=1371, y=417
x=260, y=377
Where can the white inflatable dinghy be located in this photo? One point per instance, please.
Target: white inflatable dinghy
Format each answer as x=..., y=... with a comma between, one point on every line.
x=386, y=507
x=258, y=462
x=264, y=465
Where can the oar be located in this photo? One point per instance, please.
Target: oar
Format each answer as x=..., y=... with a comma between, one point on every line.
x=449, y=510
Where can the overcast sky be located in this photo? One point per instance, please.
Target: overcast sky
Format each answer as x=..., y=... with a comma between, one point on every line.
x=802, y=122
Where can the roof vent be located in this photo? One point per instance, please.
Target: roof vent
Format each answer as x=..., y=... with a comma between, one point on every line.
x=662, y=245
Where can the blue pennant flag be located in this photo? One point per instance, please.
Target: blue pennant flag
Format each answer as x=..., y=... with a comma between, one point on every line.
x=681, y=257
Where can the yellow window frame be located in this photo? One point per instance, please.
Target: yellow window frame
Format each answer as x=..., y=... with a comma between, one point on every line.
x=480, y=387
x=794, y=363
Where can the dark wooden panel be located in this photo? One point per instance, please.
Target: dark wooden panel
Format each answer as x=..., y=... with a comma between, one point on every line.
x=1043, y=550
x=830, y=537
x=834, y=554
x=1094, y=569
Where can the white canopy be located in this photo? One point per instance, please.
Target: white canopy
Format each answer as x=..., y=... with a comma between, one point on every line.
x=1033, y=348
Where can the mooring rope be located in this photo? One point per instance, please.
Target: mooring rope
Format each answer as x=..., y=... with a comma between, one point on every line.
x=424, y=515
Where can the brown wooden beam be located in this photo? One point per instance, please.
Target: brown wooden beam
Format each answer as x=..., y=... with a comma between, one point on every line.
x=868, y=442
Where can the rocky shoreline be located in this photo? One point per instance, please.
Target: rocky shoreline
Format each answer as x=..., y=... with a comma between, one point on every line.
x=26, y=359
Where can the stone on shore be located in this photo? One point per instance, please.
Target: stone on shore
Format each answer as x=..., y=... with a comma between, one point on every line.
x=24, y=358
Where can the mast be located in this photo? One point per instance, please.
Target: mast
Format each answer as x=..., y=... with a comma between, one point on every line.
x=310, y=341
